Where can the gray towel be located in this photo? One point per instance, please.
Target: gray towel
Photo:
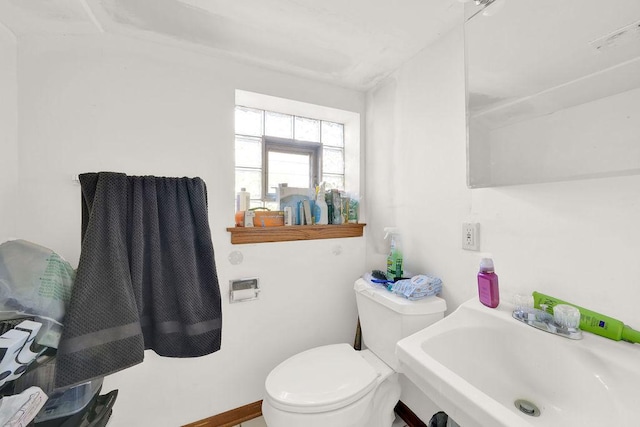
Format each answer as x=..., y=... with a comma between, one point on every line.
x=146, y=277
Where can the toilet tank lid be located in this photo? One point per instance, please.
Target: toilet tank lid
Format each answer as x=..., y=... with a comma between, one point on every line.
x=379, y=294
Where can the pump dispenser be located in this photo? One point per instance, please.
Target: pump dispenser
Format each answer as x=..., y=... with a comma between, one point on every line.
x=394, y=260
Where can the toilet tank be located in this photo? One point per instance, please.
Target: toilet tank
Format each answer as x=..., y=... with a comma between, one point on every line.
x=386, y=318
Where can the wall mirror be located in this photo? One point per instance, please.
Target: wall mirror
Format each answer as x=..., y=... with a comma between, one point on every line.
x=553, y=90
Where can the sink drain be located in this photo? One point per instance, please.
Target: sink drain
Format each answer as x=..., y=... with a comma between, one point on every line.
x=527, y=407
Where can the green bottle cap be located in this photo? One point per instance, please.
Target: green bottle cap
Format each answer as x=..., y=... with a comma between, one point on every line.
x=630, y=334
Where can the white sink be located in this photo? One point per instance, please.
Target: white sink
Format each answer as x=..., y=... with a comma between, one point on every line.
x=478, y=361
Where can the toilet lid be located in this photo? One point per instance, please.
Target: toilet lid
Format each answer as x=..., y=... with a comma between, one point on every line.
x=320, y=379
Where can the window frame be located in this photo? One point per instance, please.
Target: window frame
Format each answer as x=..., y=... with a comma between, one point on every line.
x=348, y=177
x=292, y=146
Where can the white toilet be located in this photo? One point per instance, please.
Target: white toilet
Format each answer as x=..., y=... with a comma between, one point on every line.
x=337, y=386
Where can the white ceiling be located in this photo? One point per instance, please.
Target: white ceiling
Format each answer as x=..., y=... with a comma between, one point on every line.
x=353, y=43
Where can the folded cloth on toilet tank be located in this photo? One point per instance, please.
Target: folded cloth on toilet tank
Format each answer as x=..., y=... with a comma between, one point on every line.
x=418, y=287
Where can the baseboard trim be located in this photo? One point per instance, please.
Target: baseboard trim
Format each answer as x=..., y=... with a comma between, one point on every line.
x=231, y=418
x=408, y=416
x=254, y=410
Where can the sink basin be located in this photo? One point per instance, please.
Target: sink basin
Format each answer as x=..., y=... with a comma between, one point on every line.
x=477, y=362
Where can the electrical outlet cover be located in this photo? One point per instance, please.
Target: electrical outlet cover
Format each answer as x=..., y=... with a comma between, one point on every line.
x=471, y=236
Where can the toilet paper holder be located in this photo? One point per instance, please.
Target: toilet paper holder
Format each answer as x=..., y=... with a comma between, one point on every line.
x=241, y=290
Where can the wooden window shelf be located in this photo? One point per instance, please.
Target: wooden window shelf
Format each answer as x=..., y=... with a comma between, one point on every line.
x=242, y=235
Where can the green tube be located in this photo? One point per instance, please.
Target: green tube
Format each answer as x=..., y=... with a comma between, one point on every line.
x=591, y=321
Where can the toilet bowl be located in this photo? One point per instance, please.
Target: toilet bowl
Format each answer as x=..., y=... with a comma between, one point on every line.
x=337, y=386
x=333, y=385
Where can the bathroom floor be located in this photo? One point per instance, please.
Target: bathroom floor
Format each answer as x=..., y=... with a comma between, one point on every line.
x=256, y=422
x=259, y=422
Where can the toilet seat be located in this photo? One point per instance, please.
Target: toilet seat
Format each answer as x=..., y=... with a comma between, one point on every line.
x=321, y=379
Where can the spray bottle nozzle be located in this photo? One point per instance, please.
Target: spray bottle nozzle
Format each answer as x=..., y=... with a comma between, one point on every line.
x=390, y=230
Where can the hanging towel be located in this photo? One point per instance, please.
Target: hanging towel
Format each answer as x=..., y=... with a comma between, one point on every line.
x=146, y=278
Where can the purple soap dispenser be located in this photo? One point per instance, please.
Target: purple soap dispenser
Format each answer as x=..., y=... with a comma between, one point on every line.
x=488, y=291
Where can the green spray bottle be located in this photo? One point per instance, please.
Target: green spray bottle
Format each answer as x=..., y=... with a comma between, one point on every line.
x=394, y=259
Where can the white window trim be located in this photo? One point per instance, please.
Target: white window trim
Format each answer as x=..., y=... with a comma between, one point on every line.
x=350, y=120
x=285, y=145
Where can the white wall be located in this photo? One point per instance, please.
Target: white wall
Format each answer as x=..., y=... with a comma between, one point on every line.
x=90, y=103
x=575, y=240
x=416, y=174
x=8, y=134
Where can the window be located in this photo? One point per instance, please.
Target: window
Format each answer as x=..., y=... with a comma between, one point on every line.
x=296, y=163
x=274, y=148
